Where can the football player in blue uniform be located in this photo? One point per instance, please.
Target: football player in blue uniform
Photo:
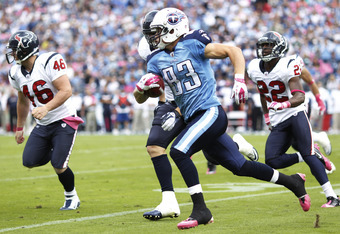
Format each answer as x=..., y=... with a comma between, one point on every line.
x=282, y=98
x=42, y=79
x=159, y=139
x=182, y=59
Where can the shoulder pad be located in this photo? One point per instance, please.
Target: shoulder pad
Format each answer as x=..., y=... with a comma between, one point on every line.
x=153, y=53
x=200, y=35
x=12, y=71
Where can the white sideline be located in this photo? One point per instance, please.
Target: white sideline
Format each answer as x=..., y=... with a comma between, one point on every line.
x=142, y=210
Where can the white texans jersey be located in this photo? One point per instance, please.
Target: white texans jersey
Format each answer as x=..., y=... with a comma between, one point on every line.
x=144, y=51
x=37, y=85
x=298, y=60
x=274, y=85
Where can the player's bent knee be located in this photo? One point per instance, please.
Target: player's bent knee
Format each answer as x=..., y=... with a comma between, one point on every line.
x=237, y=169
x=154, y=150
x=29, y=164
x=59, y=170
x=176, y=154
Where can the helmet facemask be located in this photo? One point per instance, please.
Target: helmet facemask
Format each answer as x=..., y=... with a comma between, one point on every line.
x=10, y=54
x=154, y=37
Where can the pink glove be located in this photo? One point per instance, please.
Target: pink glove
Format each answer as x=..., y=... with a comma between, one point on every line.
x=240, y=92
x=279, y=105
x=321, y=105
x=146, y=83
x=267, y=121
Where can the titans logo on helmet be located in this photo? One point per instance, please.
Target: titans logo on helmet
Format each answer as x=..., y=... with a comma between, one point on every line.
x=174, y=18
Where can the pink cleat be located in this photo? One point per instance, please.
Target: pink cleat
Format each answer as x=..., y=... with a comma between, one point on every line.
x=305, y=202
x=322, y=158
x=331, y=202
x=191, y=223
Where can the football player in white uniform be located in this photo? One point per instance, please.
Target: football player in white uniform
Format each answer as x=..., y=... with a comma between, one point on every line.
x=42, y=79
x=282, y=99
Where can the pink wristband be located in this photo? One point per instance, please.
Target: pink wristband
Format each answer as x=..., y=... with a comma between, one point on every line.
x=297, y=90
x=19, y=129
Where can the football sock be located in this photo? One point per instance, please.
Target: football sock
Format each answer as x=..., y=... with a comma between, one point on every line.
x=186, y=166
x=195, y=189
x=328, y=190
x=200, y=212
x=67, y=179
x=198, y=200
x=294, y=183
x=300, y=157
x=72, y=193
x=163, y=171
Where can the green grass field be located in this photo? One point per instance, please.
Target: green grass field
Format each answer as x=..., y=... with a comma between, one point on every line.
x=116, y=184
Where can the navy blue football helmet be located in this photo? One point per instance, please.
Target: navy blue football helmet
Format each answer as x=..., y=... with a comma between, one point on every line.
x=22, y=45
x=279, y=46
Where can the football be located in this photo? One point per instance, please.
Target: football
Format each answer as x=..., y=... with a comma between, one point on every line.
x=157, y=91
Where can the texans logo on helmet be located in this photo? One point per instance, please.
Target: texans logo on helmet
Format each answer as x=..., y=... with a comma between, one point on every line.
x=277, y=34
x=25, y=39
x=174, y=18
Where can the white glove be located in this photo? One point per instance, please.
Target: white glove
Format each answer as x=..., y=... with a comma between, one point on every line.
x=169, y=120
x=240, y=92
x=279, y=105
x=146, y=83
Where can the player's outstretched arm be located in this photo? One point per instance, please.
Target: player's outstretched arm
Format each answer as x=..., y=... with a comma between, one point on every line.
x=221, y=51
x=307, y=77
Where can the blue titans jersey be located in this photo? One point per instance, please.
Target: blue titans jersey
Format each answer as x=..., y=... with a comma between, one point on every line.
x=187, y=72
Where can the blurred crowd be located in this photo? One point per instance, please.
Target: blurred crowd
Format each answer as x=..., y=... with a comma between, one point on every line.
x=99, y=38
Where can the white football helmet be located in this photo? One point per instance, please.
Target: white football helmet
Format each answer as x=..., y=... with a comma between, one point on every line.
x=168, y=25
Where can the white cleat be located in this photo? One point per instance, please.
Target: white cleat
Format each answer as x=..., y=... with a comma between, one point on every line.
x=324, y=142
x=71, y=203
x=333, y=168
x=245, y=147
x=163, y=211
x=167, y=208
